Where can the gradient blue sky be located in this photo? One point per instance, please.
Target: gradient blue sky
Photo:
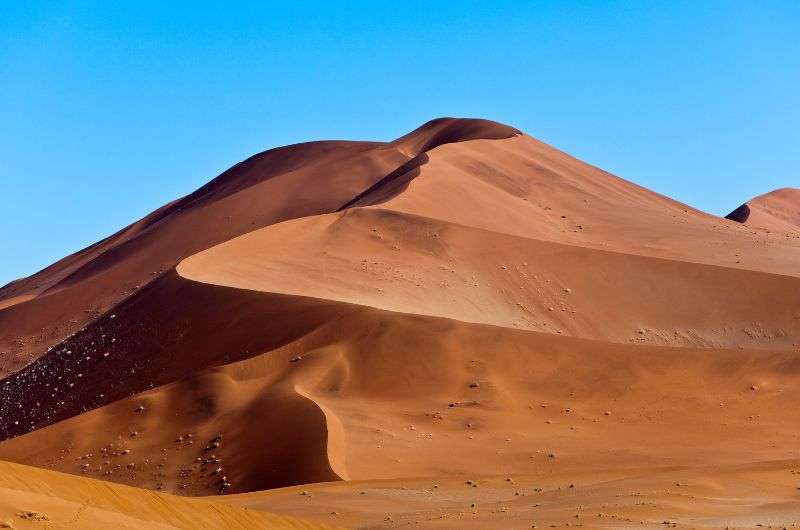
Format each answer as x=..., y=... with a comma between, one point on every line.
x=110, y=109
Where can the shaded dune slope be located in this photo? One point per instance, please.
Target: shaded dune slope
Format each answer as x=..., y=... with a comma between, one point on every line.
x=279, y=184
x=777, y=210
x=355, y=392
x=468, y=172
x=520, y=186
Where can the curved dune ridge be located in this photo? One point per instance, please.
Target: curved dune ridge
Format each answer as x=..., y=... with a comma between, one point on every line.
x=419, y=265
x=777, y=210
x=276, y=185
x=464, y=304
x=337, y=397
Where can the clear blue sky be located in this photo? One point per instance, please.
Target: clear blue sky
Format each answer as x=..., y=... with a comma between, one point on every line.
x=110, y=109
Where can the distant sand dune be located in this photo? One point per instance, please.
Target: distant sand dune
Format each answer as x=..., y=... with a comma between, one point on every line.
x=777, y=210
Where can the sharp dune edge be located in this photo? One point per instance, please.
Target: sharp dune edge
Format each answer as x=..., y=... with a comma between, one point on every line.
x=777, y=210
x=464, y=327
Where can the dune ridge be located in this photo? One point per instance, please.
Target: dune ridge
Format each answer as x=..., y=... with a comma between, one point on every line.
x=360, y=369
x=421, y=265
x=778, y=210
x=279, y=184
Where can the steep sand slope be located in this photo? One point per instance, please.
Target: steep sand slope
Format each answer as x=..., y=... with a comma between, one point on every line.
x=273, y=186
x=406, y=263
x=471, y=172
x=777, y=211
x=520, y=186
x=35, y=498
x=279, y=184
x=367, y=393
x=166, y=332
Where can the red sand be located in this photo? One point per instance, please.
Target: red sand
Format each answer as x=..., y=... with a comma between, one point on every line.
x=464, y=303
x=776, y=211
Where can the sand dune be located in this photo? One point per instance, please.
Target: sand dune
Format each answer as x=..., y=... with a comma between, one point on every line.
x=367, y=393
x=35, y=498
x=462, y=304
x=279, y=184
x=420, y=265
x=777, y=211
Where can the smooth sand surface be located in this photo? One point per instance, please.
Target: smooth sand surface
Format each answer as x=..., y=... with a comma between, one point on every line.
x=35, y=498
x=463, y=304
x=759, y=495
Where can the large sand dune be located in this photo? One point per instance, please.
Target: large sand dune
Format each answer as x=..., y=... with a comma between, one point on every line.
x=462, y=304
